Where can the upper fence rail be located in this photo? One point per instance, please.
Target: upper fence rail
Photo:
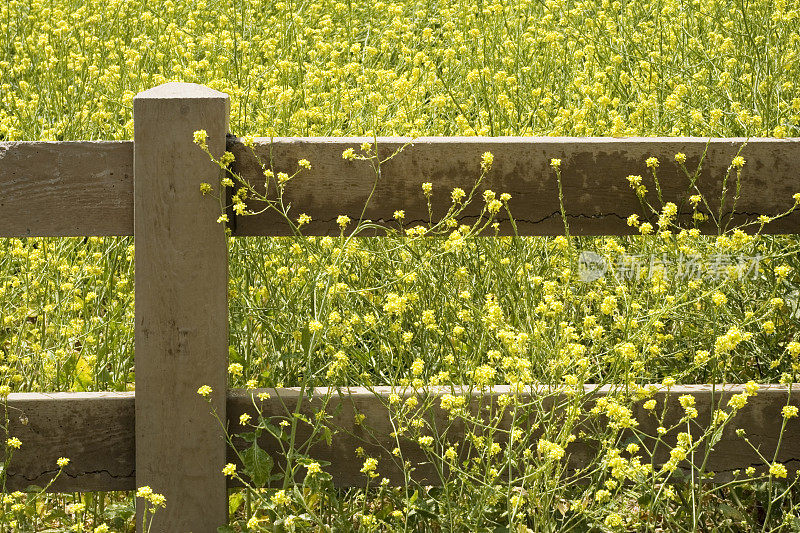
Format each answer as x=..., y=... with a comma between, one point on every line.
x=62, y=189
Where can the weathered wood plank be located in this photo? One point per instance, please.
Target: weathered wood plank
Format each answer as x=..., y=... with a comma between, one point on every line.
x=85, y=188
x=61, y=189
x=181, y=330
x=597, y=197
x=761, y=419
x=96, y=431
x=93, y=429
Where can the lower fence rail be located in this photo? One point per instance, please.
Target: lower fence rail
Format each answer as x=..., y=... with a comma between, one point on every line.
x=95, y=430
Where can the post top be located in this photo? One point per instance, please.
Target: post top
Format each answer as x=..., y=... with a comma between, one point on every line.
x=176, y=90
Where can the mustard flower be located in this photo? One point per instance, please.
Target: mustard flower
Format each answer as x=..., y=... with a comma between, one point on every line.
x=484, y=374
x=427, y=188
x=486, y=161
x=144, y=492
x=304, y=163
x=680, y=158
x=701, y=357
x=738, y=401
x=738, y=162
x=303, y=219
x=777, y=470
x=613, y=520
x=204, y=391
x=349, y=154
x=229, y=469
x=550, y=450
x=719, y=299
x=280, y=498
x=370, y=464
x=793, y=348
x=62, y=462
x=783, y=271
x=450, y=454
x=652, y=162
x=602, y=495
x=609, y=305
x=555, y=164
x=789, y=411
x=343, y=221
x=200, y=137
x=634, y=181
x=75, y=508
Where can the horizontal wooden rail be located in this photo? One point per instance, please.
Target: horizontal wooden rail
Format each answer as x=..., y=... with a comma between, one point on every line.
x=96, y=431
x=86, y=188
x=62, y=189
x=597, y=196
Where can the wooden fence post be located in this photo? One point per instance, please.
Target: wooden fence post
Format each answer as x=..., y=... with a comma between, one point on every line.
x=181, y=306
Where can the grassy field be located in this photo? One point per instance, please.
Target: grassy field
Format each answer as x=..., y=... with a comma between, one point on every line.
x=430, y=310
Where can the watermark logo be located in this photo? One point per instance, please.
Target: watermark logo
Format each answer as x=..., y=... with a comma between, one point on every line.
x=591, y=266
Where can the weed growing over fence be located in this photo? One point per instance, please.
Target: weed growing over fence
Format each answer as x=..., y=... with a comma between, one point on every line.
x=547, y=454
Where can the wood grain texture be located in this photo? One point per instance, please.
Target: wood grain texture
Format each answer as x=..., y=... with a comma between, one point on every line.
x=85, y=188
x=761, y=418
x=93, y=429
x=96, y=431
x=181, y=308
x=597, y=197
x=62, y=189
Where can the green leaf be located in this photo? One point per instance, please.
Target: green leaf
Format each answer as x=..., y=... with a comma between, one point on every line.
x=234, y=502
x=715, y=437
x=83, y=375
x=731, y=512
x=233, y=355
x=258, y=465
x=249, y=436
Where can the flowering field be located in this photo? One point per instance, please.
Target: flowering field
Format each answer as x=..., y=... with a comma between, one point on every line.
x=669, y=306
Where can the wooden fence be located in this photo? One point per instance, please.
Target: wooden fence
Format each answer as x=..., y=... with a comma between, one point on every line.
x=164, y=435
